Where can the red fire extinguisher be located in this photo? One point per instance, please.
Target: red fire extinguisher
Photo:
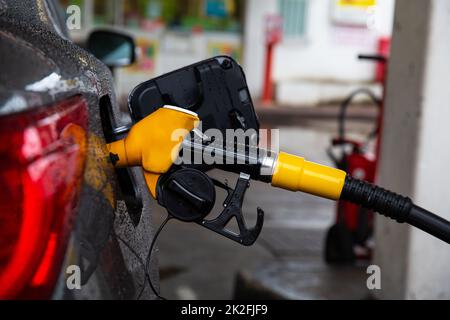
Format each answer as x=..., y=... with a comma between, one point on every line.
x=349, y=239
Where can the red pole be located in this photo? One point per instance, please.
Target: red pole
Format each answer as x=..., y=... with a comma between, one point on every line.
x=267, y=96
x=384, y=46
x=273, y=36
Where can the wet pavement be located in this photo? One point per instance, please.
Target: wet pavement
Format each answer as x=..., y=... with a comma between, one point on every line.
x=285, y=262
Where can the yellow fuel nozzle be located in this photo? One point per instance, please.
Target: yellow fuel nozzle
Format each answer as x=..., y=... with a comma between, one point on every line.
x=154, y=142
x=296, y=174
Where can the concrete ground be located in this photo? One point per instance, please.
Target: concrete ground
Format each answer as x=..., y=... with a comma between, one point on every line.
x=286, y=261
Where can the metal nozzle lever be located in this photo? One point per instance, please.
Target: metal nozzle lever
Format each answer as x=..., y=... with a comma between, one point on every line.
x=189, y=195
x=233, y=208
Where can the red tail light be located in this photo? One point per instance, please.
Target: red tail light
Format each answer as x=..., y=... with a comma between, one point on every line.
x=42, y=155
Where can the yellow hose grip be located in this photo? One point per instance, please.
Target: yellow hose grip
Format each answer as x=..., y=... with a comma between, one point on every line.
x=296, y=174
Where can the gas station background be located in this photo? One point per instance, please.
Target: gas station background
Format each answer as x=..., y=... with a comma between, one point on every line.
x=315, y=54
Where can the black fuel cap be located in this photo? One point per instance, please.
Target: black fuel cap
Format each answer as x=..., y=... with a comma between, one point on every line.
x=188, y=194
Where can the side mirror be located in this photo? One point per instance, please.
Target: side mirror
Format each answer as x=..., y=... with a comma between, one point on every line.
x=112, y=48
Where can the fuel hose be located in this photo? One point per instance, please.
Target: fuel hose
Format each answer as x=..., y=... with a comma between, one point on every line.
x=291, y=172
x=296, y=174
x=394, y=206
x=282, y=170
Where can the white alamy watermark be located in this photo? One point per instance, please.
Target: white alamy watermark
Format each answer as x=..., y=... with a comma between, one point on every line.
x=73, y=17
x=224, y=147
x=73, y=281
x=374, y=280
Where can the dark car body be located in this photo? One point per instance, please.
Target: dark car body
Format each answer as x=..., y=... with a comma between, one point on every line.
x=40, y=67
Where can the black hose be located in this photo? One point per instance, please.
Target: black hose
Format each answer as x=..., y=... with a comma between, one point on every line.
x=346, y=103
x=430, y=223
x=394, y=206
x=342, y=120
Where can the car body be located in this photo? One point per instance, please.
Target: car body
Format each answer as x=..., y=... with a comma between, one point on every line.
x=61, y=212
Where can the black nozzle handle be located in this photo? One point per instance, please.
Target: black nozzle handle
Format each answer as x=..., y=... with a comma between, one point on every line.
x=394, y=206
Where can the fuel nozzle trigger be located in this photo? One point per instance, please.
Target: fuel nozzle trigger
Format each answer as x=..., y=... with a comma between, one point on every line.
x=189, y=195
x=233, y=208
